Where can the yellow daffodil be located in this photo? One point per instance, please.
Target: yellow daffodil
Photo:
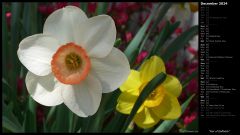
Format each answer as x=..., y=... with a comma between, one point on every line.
x=73, y=61
x=162, y=103
x=193, y=6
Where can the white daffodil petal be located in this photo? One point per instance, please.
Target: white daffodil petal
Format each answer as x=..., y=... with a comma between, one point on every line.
x=112, y=71
x=44, y=89
x=62, y=23
x=97, y=35
x=83, y=99
x=35, y=53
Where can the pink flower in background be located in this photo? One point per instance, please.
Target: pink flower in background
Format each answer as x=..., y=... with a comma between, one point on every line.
x=42, y=9
x=61, y=5
x=141, y=57
x=92, y=7
x=120, y=7
x=173, y=19
x=50, y=9
x=46, y=9
x=192, y=50
x=133, y=6
x=8, y=19
x=171, y=67
x=188, y=119
x=128, y=36
x=192, y=87
x=121, y=18
x=178, y=31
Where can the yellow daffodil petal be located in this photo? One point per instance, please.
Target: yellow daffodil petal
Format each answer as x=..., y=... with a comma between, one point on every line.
x=151, y=67
x=146, y=118
x=132, y=84
x=169, y=108
x=126, y=102
x=172, y=85
x=155, y=98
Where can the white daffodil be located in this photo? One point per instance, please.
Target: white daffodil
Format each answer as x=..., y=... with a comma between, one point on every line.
x=73, y=61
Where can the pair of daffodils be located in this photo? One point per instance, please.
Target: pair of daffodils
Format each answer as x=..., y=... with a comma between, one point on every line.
x=162, y=103
x=73, y=61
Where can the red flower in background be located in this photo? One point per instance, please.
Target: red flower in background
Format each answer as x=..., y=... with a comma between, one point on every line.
x=120, y=7
x=92, y=7
x=128, y=36
x=20, y=83
x=173, y=19
x=141, y=57
x=61, y=5
x=40, y=114
x=192, y=87
x=171, y=67
x=133, y=6
x=192, y=50
x=46, y=9
x=121, y=18
x=178, y=31
x=188, y=119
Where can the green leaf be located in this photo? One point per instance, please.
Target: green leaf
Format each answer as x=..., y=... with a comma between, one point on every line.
x=143, y=95
x=112, y=102
x=102, y=8
x=73, y=126
x=167, y=125
x=45, y=129
x=164, y=8
x=10, y=122
x=83, y=6
x=4, y=42
x=4, y=81
x=96, y=121
x=190, y=77
x=30, y=17
x=62, y=119
x=71, y=123
x=163, y=36
x=10, y=125
x=133, y=47
x=193, y=126
x=79, y=124
x=179, y=42
x=15, y=38
x=30, y=122
x=85, y=124
x=117, y=42
x=116, y=123
x=7, y=89
x=50, y=114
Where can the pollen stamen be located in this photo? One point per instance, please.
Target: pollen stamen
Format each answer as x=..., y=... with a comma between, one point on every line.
x=73, y=61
